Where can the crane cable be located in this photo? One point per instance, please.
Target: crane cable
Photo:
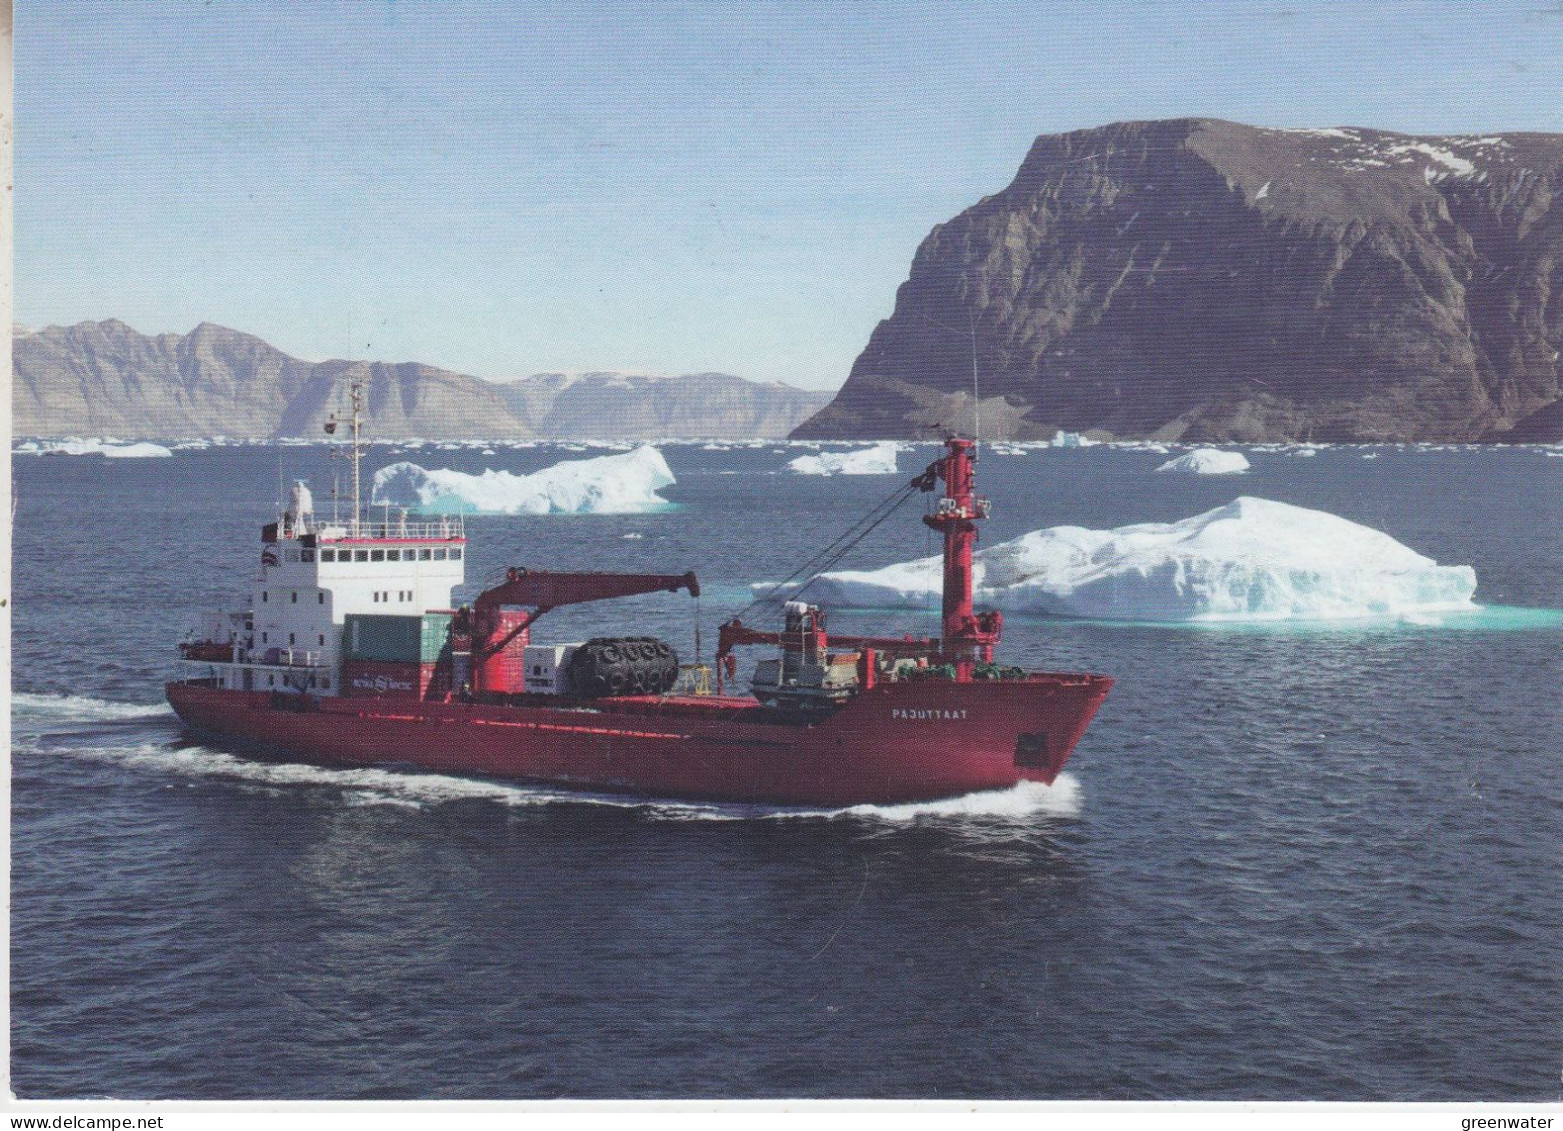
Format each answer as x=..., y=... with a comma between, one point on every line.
x=837, y=549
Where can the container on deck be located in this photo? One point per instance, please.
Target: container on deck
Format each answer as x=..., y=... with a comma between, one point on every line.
x=380, y=679
x=422, y=639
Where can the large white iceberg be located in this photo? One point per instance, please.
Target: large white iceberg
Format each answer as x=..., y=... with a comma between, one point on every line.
x=878, y=460
x=1208, y=461
x=1252, y=559
x=617, y=484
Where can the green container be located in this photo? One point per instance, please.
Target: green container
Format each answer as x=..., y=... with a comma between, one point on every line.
x=396, y=640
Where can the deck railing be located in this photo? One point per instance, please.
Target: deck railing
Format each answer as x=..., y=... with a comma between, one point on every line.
x=444, y=529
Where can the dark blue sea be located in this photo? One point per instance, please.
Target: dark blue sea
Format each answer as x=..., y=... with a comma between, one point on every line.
x=1306, y=862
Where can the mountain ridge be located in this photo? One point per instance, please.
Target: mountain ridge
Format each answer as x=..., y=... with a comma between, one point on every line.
x=106, y=378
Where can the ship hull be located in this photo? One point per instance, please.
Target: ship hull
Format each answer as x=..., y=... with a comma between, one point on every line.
x=899, y=742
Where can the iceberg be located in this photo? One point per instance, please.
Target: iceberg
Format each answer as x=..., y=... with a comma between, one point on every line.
x=1252, y=559
x=136, y=451
x=1062, y=439
x=878, y=460
x=107, y=447
x=617, y=484
x=1208, y=461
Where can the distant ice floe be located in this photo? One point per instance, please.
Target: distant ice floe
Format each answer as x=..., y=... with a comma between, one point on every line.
x=1207, y=461
x=106, y=447
x=878, y=460
x=1062, y=439
x=616, y=484
x=1252, y=559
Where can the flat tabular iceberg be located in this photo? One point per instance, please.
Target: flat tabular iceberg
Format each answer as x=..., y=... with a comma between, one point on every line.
x=107, y=448
x=1208, y=461
x=878, y=460
x=1250, y=559
x=619, y=484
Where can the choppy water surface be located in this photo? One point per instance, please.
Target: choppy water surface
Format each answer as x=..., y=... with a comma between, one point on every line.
x=1285, y=863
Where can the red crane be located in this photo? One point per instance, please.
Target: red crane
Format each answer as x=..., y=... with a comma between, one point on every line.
x=967, y=637
x=502, y=616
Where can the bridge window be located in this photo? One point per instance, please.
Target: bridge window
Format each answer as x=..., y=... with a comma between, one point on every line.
x=439, y=555
x=307, y=555
x=455, y=555
x=360, y=555
x=328, y=555
x=377, y=555
x=423, y=555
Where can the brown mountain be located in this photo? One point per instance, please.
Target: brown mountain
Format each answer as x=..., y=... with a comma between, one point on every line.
x=105, y=379
x=1203, y=280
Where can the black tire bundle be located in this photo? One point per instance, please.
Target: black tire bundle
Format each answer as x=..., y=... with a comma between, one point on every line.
x=623, y=665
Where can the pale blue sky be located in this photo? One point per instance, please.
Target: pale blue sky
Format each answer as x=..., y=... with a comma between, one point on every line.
x=504, y=189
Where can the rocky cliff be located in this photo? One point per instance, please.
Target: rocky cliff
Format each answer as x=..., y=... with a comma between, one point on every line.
x=1203, y=280
x=105, y=379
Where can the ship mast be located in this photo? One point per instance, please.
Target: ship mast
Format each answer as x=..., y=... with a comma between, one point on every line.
x=357, y=390
x=355, y=452
x=966, y=638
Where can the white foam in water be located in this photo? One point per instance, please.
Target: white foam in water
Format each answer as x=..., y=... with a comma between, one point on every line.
x=1027, y=799
x=878, y=460
x=616, y=484
x=83, y=708
x=1207, y=461
x=370, y=786
x=1252, y=559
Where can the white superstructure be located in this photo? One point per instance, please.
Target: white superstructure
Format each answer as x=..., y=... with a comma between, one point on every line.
x=314, y=573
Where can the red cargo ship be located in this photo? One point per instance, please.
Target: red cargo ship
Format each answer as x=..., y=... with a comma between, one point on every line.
x=337, y=660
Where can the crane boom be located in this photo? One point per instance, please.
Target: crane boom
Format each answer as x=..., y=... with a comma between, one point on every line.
x=545, y=589
x=537, y=591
